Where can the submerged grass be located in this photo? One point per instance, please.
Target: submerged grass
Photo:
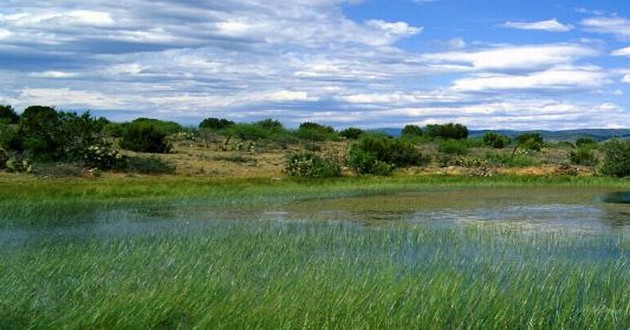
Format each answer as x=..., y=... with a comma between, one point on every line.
x=317, y=275
x=59, y=269
x=53, y=201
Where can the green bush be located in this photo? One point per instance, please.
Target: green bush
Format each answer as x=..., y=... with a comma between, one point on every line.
x=447, y=131
x=584, y=156
x=453, y=147
x=508, y=160
x=584, y=141
x=4, y=156
x=377, y=152
x=351, y=133
x=530, y=141
x=363, y=162
x=145, y=137
x=315, y=132
x=494, y=140
x=616, y=158
x=216, y=124
x=411, y=131
x=8, y=115
x=144, y=165
x=312, y=166
x=101, y=157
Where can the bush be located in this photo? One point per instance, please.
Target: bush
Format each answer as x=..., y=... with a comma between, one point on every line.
x=516, y=160
x=145, y=137
x=312, y=166
x=216, y=124
x=494, y=140
x=584, y=141
x=616, y=158
x=530, y=141
x=363, y=162
x=351, y=133
x=8, y=115
x=101, y=157
x=315, y=132
x=378, y=152
x=144, y=165
x=411, y=131
x=4, y=156
x=584, y=156
x=453, y=147
x=447, y=131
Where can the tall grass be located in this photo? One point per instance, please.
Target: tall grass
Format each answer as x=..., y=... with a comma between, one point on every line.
x=316, y=275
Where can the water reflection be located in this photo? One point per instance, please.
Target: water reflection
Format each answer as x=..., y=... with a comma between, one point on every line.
x=538, y=209
x=617, y=197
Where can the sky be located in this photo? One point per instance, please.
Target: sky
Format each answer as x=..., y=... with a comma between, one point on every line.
x=488, y=64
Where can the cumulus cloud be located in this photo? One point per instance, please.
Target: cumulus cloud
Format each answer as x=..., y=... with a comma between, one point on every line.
x=557, y=78
x=621, y=52
x=551, y=25
x=618, y=26
x=506, y=58
x=626, y=79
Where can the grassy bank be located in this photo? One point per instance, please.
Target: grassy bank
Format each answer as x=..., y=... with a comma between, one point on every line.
x=29, y=200
x=317, y=275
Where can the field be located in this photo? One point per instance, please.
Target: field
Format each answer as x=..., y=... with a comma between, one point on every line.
x=181, y=252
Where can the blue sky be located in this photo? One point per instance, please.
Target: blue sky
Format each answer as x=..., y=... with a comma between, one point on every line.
x=489, y=64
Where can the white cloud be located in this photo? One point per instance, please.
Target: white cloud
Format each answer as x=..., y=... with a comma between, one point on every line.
x=558, y=78
x=4, y=33
x=528, y=57
x=618, y=26
x=626, y=79
x=395, y=29
x=621, y=52
x=551, y=25
x=52, y=74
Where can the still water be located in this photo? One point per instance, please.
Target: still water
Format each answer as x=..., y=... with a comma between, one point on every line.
x=567, y=210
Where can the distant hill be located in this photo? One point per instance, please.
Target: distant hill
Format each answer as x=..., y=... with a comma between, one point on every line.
x=568, y=135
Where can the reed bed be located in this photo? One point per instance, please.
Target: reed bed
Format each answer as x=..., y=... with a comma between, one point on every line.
x=270, y=274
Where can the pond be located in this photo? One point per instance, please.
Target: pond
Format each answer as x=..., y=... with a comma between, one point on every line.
x=588, y=210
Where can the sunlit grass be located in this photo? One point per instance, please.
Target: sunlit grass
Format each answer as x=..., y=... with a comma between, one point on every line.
x=317, y=275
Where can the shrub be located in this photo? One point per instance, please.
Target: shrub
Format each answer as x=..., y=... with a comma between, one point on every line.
x=411, y=131
x=453, y=147
x=530, y=141
x=145, y=137
x=616, y=158
x=101, y=157
x=216, y=124
x=312, y=166
x=376, y=152
x=8, y=115
x=584, y=156
x=584, y=141
x=363, y=162
x=447, y=131
x=4, y=156
x=508, y=160
x=315, y=132
x=494, y=140
x=351, y=133
x=144, y=165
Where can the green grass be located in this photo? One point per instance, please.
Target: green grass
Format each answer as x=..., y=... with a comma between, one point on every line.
x=310, y=275
x=104, y=254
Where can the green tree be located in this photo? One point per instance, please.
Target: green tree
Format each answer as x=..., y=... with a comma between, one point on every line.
x=494, y=140
x=447, y=131
x=411, y=131
x=372, y=151
x=351, y=133
x=616, y=158
x=315, y=132
x=530, y=141
x=40, y=133
x=143, y=136
x=8, y=115
x=216, y=124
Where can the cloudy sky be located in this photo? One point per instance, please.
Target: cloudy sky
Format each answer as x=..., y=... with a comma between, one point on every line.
x=536, y=64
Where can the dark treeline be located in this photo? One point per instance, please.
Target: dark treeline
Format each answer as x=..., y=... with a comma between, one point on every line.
x=42, y=134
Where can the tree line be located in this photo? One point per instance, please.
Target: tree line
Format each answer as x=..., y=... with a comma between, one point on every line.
x=42, y=134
